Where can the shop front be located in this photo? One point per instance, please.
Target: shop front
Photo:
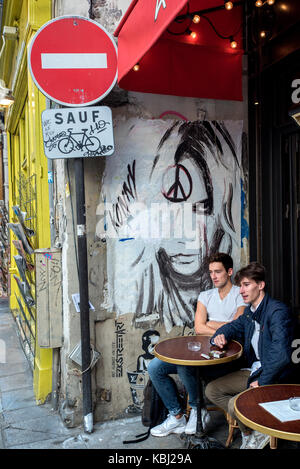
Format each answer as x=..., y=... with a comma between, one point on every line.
x=28, y=182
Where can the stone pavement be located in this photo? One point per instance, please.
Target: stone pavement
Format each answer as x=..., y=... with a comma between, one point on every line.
x=25, y=425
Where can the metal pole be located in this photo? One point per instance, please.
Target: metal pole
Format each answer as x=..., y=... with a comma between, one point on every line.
x=84, y=297
x=199, y=427
x=50, y=189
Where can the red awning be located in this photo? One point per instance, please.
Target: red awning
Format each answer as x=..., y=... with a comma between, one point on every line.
x=171, y=61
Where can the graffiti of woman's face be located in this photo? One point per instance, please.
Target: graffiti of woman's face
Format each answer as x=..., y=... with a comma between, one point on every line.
x=172, y=196
x=190, y=188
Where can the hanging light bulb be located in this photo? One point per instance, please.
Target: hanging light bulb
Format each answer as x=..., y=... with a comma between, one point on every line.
x=196, y=19
x=136, y=68
x=262, y=34
x=270, y=2
x=258, y=3
x=190, y=33
x=233, y=43
x=228, y=5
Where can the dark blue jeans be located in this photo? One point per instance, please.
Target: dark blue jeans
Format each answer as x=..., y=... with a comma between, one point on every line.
x=159, y=372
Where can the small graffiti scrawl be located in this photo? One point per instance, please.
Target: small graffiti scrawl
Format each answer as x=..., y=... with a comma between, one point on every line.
x=118, y=350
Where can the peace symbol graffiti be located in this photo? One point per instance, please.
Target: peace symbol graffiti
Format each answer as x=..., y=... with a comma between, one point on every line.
x=181, y=188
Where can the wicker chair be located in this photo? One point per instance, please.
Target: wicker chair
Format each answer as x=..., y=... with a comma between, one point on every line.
x=232, y=425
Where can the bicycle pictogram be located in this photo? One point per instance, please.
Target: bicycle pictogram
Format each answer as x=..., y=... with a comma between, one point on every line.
x=83, y=142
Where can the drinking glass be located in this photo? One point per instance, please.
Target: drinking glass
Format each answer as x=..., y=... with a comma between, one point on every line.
x=194, y=346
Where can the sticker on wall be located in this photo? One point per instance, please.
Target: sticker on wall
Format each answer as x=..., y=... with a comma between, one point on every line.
x=78, y=132
x=50, y=177
x=76, y=302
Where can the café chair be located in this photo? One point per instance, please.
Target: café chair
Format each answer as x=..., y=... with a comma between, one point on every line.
x=232, y=425
x=273, y=442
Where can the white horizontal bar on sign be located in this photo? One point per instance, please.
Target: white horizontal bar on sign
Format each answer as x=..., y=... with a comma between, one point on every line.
x=74, y=60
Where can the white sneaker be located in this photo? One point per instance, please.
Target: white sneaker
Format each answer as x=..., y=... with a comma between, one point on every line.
x=170, y=425
x=191, y=426
x=245, y=440
x=257, y=441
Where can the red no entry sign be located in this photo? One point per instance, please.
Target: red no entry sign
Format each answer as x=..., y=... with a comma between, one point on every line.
x=73, y=61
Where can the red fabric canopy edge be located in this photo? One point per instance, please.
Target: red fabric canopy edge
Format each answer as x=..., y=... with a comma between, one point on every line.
x=139, y=31
x=168, y=67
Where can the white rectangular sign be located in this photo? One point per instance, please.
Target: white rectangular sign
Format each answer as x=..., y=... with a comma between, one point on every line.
x=78, y=132
x=68, y=61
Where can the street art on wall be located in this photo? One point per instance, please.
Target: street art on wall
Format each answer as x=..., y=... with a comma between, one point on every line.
x=138, y=376
x=117, y=354
x=171, y=196
x=149, y=340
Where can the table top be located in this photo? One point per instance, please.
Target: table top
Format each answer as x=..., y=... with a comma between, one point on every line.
x=256, y=417
x=175, y=350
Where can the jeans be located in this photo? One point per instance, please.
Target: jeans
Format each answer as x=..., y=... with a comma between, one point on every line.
x=159, y=372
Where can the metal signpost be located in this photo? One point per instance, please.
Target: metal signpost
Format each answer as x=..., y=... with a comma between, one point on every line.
x=73, y=61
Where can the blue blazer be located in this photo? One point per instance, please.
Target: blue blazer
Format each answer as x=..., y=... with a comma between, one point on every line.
x=275, y=339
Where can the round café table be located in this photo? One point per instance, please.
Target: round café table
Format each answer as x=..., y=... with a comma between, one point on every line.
x=175, y=350
x=249, y=412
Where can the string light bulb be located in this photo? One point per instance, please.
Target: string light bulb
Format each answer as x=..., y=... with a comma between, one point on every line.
x=136, y=68
x=233, y=43
x=263, y=34
x=260, y=3
x=190, y=33
x=198, y=16
x=228, y=5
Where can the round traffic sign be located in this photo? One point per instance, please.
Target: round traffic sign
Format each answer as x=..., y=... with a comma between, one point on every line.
x=73, y=60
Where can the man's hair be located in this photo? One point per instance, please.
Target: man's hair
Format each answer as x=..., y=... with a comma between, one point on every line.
x=222, y=257
x=254, y=271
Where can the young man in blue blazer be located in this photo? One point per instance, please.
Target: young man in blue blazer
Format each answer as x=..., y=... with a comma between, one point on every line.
x=266, y=332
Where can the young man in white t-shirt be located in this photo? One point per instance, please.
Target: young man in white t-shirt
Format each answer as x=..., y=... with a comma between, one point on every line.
x=215, y=307
x=221, y=304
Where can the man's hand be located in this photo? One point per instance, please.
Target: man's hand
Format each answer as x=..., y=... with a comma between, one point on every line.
x=254, y=384
x=220, y=340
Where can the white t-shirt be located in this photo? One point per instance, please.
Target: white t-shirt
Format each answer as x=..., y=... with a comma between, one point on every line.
x=218, y=309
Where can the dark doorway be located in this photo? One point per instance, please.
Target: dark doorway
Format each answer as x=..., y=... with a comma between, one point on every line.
x=274, y=178
x=290, y=226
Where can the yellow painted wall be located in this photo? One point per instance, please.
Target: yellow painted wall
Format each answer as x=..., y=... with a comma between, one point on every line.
x=26, y=155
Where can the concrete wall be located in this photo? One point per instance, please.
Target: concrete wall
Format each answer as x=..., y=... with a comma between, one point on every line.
x=117, y=388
